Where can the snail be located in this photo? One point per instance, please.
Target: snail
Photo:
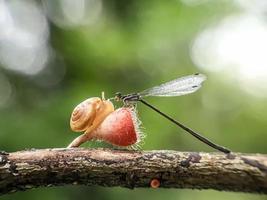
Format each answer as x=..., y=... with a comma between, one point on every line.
x=98, y=119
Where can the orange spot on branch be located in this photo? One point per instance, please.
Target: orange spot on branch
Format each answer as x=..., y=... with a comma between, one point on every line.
x=154, y=183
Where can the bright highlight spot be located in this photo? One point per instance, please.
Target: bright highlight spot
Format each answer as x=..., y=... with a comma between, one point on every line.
x=238, y=47
x=23, y=38
x=70, y=14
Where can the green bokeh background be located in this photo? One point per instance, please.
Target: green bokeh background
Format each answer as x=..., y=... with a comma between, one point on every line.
x=135, y=45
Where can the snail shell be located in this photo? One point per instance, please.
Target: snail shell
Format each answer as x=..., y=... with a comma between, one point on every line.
x=89, y=114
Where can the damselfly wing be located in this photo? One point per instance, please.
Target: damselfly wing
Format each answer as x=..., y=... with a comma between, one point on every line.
x=177, y=87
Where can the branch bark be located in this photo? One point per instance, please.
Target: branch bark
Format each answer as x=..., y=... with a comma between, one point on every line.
x=27, y=169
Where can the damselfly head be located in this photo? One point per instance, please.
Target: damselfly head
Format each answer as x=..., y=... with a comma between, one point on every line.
x=118, y=96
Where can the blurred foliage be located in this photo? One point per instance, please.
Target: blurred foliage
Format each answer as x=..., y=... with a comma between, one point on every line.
x=133, y=45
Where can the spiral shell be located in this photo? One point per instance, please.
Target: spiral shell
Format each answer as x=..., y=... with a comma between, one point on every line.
x=89, y=114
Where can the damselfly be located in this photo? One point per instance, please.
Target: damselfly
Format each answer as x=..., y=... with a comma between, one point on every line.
x=180, y=86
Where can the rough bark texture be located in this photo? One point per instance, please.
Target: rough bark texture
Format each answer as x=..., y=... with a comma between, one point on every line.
x=51, y=167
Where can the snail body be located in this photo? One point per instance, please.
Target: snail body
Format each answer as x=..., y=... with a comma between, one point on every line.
x=98, y=120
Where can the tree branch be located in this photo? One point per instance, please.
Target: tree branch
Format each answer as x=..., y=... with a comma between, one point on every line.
x=51, y=167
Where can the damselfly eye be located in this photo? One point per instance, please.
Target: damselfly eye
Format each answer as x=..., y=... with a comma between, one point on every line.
x=118, y=96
